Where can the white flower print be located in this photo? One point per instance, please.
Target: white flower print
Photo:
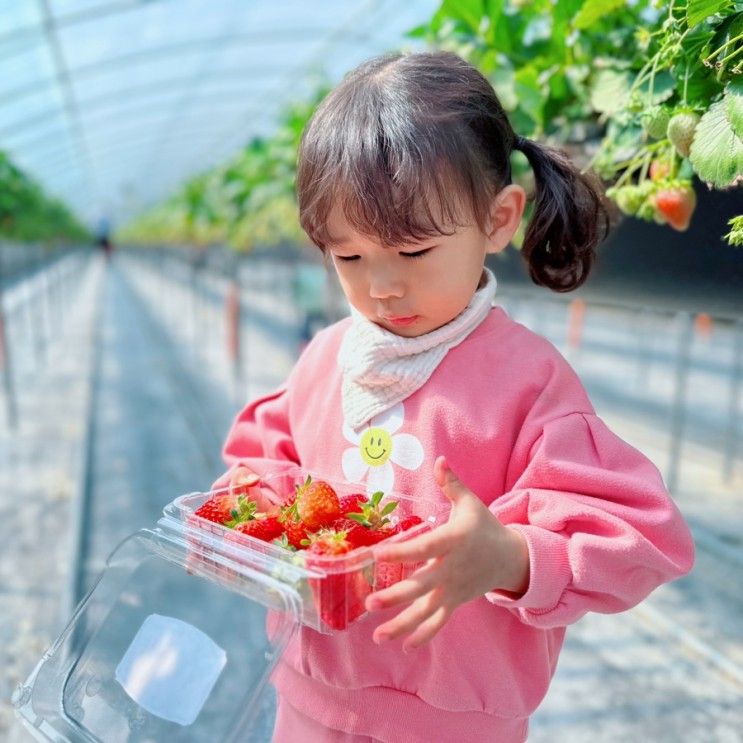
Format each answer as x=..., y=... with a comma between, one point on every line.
x=377, y=447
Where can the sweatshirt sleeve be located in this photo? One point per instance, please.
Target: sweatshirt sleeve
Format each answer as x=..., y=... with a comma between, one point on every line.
x=601, y=529
x=260, y=437
x=261, y=433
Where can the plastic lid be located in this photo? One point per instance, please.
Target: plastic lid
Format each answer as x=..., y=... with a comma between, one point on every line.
x=158, y=650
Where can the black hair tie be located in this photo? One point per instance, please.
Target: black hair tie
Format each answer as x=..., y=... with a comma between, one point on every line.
x=519, y=142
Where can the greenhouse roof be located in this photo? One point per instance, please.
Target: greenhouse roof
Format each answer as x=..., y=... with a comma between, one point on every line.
x=111, y=104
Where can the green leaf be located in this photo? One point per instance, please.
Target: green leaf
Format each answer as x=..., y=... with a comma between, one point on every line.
x=716, y=152
x=503, y=80
x=695, y=42
x=734, y=106
x=609, y=90
x=594, y=10
x=664, y=85
x=624, y=138
x=698, y=10
x=468, y=12
x=505, y=32
x=389, y=508
x=529, y=92
x=565, y=10
x=419, y=32
x=726, y=38
x=702, y=85
x=558, y=85
x=735, y=236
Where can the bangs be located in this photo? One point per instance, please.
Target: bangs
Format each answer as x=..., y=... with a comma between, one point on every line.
x=399, y=174
x=394, y=205
x=390, y=205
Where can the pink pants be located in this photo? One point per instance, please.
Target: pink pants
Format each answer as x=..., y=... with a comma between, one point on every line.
x=293, y=726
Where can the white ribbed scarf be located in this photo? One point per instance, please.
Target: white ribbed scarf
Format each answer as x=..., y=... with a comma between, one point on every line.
x=381, y=369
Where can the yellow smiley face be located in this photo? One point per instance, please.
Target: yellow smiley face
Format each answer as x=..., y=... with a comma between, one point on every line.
x=376, y=446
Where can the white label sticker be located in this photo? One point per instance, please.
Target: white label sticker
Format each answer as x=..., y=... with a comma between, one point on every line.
x=170, y=668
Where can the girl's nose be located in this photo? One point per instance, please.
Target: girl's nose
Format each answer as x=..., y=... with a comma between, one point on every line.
x=384, y=284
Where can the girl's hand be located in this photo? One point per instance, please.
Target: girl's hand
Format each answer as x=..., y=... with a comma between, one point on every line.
x=470, y=555
x=241, y=480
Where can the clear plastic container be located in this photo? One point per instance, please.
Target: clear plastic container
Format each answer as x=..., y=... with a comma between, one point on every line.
x=142, y=660
x=332, y=588
x=159, y=651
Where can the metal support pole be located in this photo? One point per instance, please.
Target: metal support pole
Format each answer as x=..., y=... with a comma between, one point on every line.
x=686, y=337
x=192, y=298
x=232, y=322
x=11, y=409
x=731, y=431
x=45, y=309
x=645, y=337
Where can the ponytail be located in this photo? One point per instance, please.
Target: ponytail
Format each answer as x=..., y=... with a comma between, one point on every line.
x=564, y=230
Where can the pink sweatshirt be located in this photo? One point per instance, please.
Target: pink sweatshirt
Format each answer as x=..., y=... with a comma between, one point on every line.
x=517, y=427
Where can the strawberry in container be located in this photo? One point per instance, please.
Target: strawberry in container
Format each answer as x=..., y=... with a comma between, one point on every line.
x=339, y=596
x=319, y=537
x=234, y=507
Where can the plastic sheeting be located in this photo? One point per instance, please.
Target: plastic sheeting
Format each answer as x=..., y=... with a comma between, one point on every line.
x=111, y=104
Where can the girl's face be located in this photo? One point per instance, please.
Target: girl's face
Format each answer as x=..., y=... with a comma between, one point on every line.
x=412, y=289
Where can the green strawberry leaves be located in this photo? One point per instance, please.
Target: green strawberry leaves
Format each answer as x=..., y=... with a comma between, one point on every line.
x=371, y=516
x=734, y=106
x=698, y=10
x=245, y=511
x=717, y=151
x=609, y=90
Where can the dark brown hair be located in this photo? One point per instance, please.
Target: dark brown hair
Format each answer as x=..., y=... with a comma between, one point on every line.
x=410, y=146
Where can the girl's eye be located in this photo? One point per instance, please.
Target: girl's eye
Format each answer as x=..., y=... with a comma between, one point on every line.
x=347, y=257
x=417, y=254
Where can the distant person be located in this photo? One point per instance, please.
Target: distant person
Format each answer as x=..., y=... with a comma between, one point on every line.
x=104, y=243
x=429, y=390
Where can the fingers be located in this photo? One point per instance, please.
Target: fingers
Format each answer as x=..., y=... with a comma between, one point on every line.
x=450, y=484
x=421, y=582
x=432, y=544
x=409, y=619
x=427, y=629
x=242, y=478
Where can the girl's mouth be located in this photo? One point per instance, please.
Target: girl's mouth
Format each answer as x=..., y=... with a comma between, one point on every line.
x=402, y=320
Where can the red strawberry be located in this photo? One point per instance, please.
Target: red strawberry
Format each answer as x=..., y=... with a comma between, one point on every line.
x=364, y=521
x=352, y=503
x=339, y=596
x=264, y=528
x=227, y=509
x=676, y=204
x=407, y=523
x=295, y=531
x=387, y=573
x=377, y=535
x=317, y=504
x=358, y=535
x=372, y=516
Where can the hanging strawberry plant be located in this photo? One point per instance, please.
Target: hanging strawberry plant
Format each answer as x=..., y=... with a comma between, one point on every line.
x=650, y=93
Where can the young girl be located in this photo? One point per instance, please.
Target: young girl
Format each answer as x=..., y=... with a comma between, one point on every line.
x=427, y=389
